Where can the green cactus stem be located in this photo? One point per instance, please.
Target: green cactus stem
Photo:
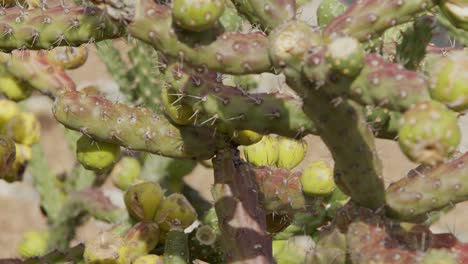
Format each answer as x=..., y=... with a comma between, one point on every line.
x=267, y=13
x=236, y=201
x=428, y=189
x=58, y=25
x=388, y=85
x=331, y=247
x=366, y=19
x=341, y=122
x=176, y=248
x=235, y=53
x=35, y=68
x=155, y=134
x=328, y=10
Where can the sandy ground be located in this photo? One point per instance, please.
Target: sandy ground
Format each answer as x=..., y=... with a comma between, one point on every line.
x=19, y=202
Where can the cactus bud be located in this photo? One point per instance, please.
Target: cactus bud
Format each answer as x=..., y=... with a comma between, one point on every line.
x=328, y=10
x=175, y=212
x=179, y=112
x=197, y=15
x=246, y=137
x=142, y=238
x=429, y=133
x=33, y=244
x=149, y=259
x=94, y=155
x=14, y=89
x=206, y=235
x=7, y=155
x=294, y=250
x=346, y=55
x=263, y=153
x=24, y=128
x=8, y=110
x=69, y=57
x=125, y=172
x=317, y=179
x=291, y=152
x=143, y=199
x=108, y=247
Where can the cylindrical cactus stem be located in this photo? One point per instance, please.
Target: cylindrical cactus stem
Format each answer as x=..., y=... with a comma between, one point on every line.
x=242, y=222
x=328, y=10
x=176, y=248
x=366, y=19
x=35, y=68
x=267, y=13
x=134, y=128
x=388, y=85
x=428, y=189
x=58, y=25
x=262, y=113
x=235, y=53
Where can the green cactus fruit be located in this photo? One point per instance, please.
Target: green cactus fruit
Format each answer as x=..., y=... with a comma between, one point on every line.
x=142, y=238
x=14, y=89
x=263, y=153
x=7, y=155
x=126, y=172
x=291, y=152
x=8, y=109
x=448, y=79
x=24, y=128
x=69, y=57
x=149, y=259
x=429, y=133
x=456, y=11
x=317, y=179
x=294, y=250
x=94, y=155
x=33, y=244
x=346, y=55
x=175, y=212
x=206, y=235
x=143, y=199
x=328, y=10
x=107, y=248
x=246, y=137
x=22, y=157
x=178, y=112
x=439, y=256
x=197, y=15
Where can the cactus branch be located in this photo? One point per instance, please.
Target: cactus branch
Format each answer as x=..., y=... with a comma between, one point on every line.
x=236, y=204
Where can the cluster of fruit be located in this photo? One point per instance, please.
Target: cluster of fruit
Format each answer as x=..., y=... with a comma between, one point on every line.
x=18, y=131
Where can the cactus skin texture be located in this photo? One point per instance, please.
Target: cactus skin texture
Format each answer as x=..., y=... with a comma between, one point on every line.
x=328, y=10
x=143, y=200
x=447, y=79
x=175, y=212
x=197, y=15
x=126, y=172
x=94, y=155
x=317, y=179
x=346, y=55
x=176, y=248
x=69, y=57
x=263, y=153
x=290, y=152
x=429, y=132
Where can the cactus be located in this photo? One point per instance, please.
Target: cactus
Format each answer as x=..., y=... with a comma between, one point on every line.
x=190, y=73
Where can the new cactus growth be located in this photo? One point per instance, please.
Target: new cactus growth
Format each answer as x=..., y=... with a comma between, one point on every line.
x=189, y=77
